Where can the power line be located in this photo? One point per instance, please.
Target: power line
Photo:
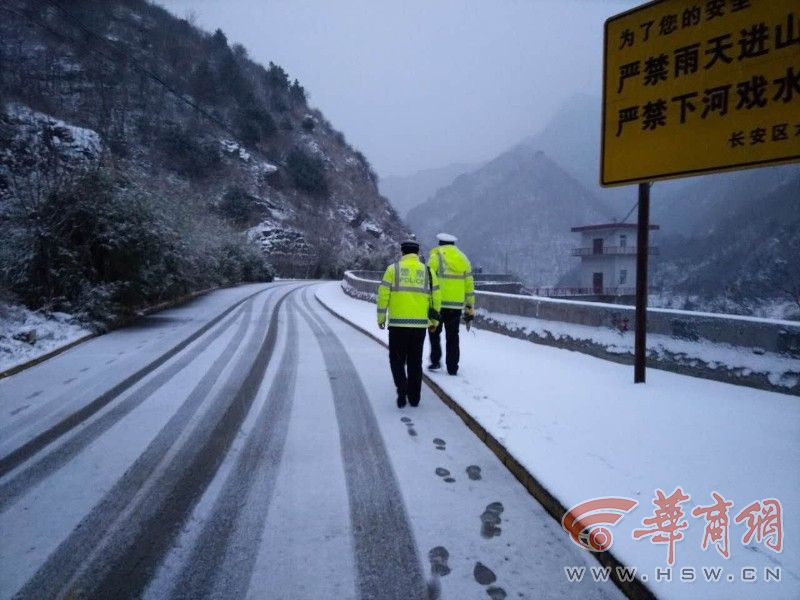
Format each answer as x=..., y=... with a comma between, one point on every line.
x=144, y=70
x=630, y=212
x=636, y=204
x=130, y=59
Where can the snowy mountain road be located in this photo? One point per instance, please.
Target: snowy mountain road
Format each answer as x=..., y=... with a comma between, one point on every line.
x=247, y=445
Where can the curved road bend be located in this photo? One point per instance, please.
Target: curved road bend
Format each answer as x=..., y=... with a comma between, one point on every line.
x=247, y=445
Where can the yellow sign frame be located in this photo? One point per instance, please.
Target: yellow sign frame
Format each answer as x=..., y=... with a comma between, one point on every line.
x=677, y=71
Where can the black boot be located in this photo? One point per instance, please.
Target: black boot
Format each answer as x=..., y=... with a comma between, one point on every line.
x=413, y=401
x=401, y=400
x=434, y=366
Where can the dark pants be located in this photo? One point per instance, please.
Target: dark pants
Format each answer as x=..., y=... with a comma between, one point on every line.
x=405, y=352
x=451, y=319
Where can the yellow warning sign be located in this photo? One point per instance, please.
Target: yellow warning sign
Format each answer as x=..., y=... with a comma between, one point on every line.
x=697, y=86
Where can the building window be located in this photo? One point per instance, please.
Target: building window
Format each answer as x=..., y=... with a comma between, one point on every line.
x=623, y=276
x=623, y=241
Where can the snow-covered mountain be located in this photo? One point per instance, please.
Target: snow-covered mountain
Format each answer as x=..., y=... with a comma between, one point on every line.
x=515, y=211
x=740, y=246
x=696, y=209
x=250, y=119
x=572, y=138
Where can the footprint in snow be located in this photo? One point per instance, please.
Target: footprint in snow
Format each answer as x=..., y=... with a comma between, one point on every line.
x=483, y=574
x=439, y=443
x=445, y=474
x=490, y=520
x=474, y=472
x=496, y=593
x=438, y=557
x=434, y=590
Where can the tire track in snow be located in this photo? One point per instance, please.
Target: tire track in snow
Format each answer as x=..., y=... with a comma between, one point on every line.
x=123, y=559
x=16, y=457
x=14, y=488
x=69, y=555
x=385, y=551
x=222, y=560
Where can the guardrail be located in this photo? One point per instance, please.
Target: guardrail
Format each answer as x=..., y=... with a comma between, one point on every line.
x=755, y=334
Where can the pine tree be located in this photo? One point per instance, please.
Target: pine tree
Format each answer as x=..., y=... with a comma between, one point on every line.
x=297, y=94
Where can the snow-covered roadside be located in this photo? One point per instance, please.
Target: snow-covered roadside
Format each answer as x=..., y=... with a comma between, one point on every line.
x=732, y=363
x=26, y=335
x=780, y=370
x=584, y=430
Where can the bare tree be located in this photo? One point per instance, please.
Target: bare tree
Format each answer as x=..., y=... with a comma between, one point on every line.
x=326, y=245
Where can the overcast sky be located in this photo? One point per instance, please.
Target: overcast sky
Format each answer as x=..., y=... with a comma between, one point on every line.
x=417, y=84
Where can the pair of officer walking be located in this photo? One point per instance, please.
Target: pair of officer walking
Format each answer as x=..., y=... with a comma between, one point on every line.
x=413, y=297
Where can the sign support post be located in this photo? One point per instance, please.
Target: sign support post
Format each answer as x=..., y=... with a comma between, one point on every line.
x=642, y=253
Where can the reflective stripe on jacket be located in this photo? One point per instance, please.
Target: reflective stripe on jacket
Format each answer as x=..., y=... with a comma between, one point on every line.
x=454, y=272
x=407, y=293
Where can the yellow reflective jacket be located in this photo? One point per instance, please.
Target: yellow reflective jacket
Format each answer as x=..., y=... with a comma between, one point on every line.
x=452, y=268
x=407, y=292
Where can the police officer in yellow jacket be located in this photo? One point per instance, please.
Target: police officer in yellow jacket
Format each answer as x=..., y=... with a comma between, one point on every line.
x=409, y=297
x=454, y=272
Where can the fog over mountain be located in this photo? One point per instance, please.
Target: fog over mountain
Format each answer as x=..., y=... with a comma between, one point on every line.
x=418, y=84
x=517, y=210
x=680, y=206
x=731, y=242
x=409, y=191
x=696, y=208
